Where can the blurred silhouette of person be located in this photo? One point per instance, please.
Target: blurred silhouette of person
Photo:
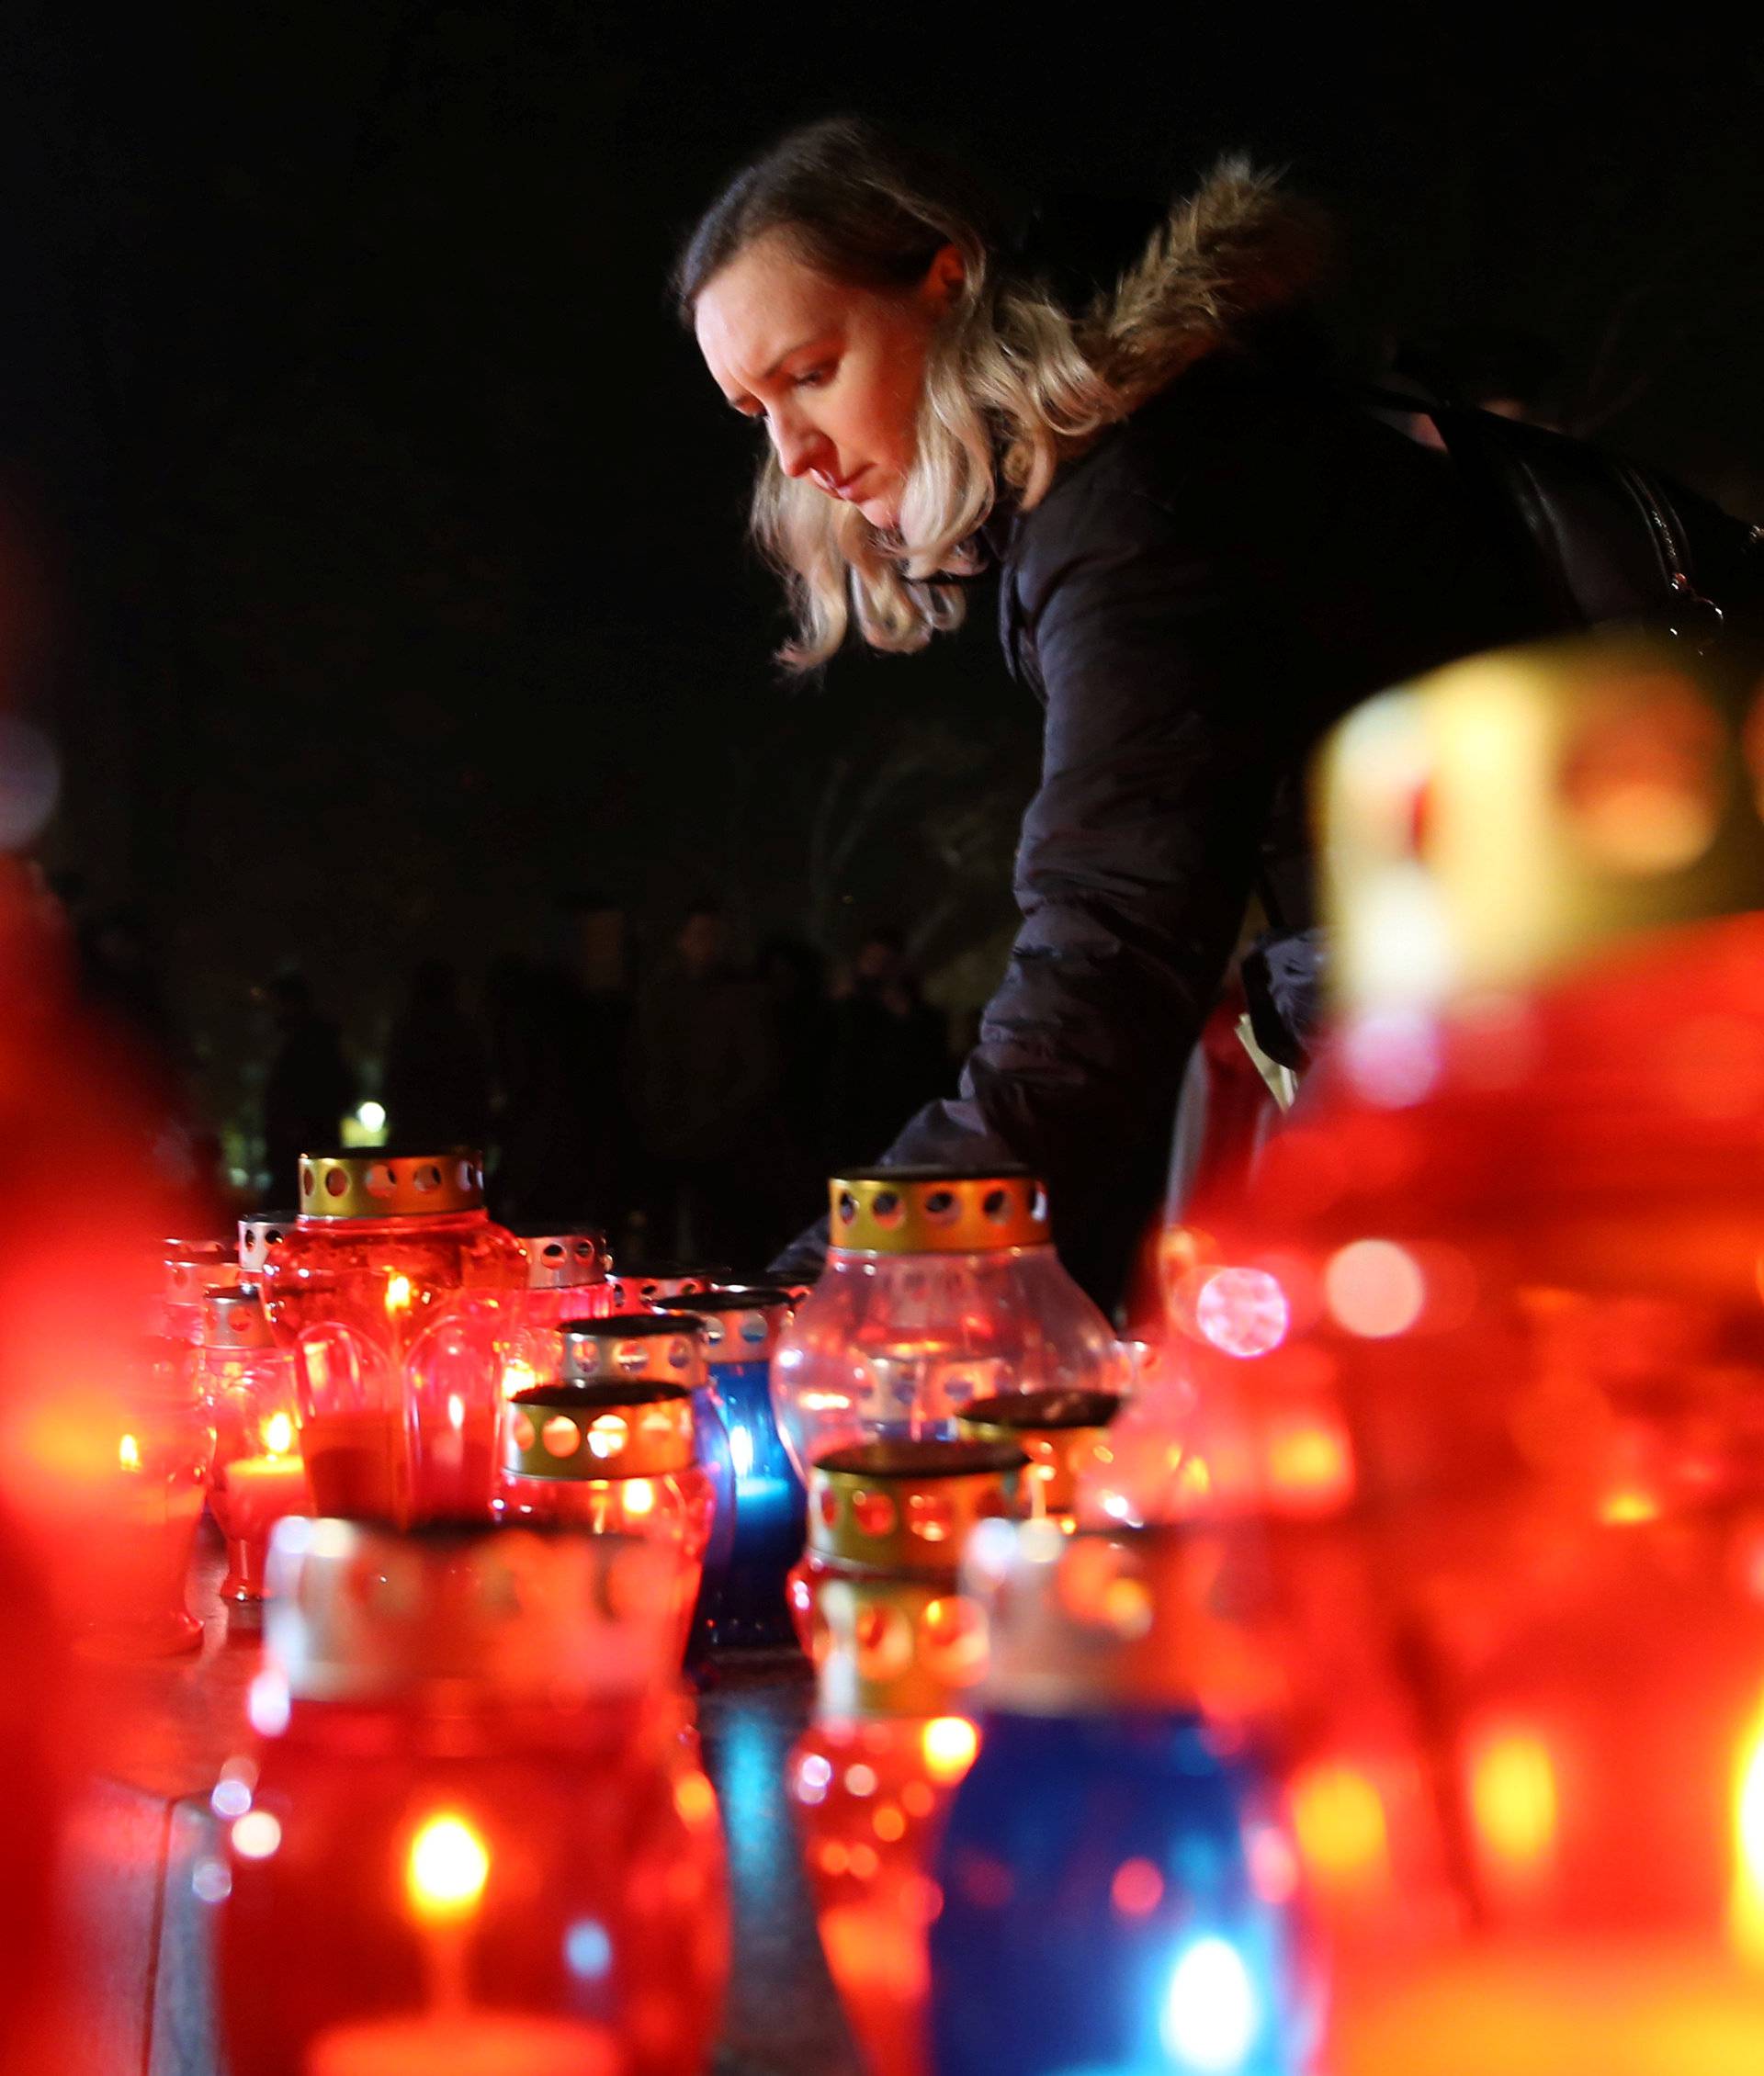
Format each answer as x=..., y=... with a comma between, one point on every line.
x=310, y=1086
x=891, y=1052
x=793, y=1167
x=702, y=1070
x=1513, y=373
x=437, y=1075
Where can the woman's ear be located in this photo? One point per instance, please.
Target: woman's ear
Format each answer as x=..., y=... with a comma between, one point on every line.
x=945, y=278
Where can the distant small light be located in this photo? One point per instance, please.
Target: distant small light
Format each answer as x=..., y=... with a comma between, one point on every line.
x=371, y=1117
x=212, y=1881
x=267, y=1703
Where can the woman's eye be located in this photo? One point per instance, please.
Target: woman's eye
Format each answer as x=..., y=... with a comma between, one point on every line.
x=811, y=378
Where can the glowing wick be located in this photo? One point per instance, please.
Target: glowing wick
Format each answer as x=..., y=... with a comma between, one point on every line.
x=278, y=1435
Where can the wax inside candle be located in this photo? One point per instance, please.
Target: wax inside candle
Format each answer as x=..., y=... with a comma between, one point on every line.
x=1622, y=2010
x=473, y=2042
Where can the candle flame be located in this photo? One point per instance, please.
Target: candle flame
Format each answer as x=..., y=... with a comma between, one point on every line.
x=1513, y=1792
x=1339, y=1819
x=278, y=1435
x=518, y=1375
x=639, y=1497
x=949, y=1743
x=129, y=1453
x=1746, y=1912
x=447, y=1868
x=398, y=1295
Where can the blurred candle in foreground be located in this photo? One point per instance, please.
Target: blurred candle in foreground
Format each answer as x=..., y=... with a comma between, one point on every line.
x=471, y=1841
x=1117, y=1894
x=897, y=1650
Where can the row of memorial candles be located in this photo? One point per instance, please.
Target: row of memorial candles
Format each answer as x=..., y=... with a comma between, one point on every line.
x=1399, y=1704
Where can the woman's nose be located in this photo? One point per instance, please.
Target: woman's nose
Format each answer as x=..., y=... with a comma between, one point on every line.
x=799, y=447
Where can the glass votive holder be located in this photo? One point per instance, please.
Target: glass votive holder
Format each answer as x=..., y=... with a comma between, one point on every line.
x=745, y=1597
x=247, y=1383
x=614, y=1460
x=1061, y=1432
x=138, y=1505
x=471, y=1840
x=1117, y=1891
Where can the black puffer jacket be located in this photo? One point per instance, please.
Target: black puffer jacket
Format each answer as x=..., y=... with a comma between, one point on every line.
x=1199, y=597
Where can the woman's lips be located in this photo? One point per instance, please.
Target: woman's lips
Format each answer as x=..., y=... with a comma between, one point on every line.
x=843, y=486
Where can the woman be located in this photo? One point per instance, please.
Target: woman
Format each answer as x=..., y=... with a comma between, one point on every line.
x=1206, y=551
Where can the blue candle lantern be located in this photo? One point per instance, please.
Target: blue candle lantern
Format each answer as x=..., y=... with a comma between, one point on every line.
x=1117, y=1897
x=742, y=1324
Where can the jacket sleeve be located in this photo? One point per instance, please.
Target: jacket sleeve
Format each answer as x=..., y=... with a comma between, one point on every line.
x=1165, y=666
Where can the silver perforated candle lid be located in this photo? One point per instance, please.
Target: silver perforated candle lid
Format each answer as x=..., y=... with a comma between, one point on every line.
x=630, y=1347
x=258, y=1235
x=741, y=1321
x=569, y=1261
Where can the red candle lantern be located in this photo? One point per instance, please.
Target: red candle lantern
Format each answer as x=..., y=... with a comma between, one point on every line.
x=653, y=1283
x=472, y=1841
x=565, y=1278
x=127, y=1576
x=247, y=1384
x=898, y=1651
x=940, y=1289
x=190, y=1270
x=1475, y=1561
x=398, y=1297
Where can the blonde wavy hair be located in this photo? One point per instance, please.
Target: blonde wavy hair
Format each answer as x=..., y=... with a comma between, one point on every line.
x=1013, y=383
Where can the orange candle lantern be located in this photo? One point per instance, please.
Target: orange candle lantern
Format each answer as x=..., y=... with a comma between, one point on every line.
x=941, y=1287
x=397, y=1298
x=897, y=1650
x=1476, y=1562
x=247, y=1384
x=471, y=1841
x=618, y=1457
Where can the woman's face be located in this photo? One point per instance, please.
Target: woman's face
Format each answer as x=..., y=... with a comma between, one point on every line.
x=832, y=371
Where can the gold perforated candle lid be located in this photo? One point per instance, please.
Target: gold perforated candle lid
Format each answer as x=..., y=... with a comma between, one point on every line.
x=909, y=1505
x=654, y=1282
x=599, y=1431
x=890, y=1646
x=453, y=1614
x=936, y=1210
x=742, y=1321
x=383, y=1185
x=1058, y=1431
x=630, y=1348
x=1501, y=819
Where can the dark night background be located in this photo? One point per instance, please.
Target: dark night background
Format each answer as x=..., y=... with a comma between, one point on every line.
x=373, y=536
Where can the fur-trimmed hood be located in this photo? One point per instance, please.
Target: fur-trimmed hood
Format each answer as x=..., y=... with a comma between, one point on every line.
x=1240, y=249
